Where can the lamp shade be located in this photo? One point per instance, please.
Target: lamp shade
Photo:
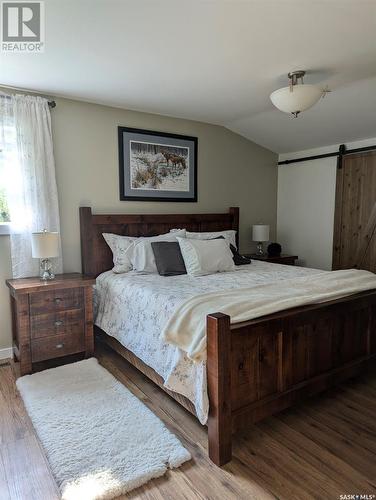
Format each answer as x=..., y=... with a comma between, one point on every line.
x=260, y=232
x=44, y=245
x=296, y=98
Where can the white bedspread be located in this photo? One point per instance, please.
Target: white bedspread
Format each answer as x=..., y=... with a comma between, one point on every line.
x=186, y=328
x=134, y=309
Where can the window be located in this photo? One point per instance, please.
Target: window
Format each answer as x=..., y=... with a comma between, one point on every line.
x=8, y=153
x=4, y=209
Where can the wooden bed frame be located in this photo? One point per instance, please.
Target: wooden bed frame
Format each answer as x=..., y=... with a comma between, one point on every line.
x=259, y=367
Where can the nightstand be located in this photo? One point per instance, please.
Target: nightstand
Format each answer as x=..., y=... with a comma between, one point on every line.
x=51, y=319
x=282, y=259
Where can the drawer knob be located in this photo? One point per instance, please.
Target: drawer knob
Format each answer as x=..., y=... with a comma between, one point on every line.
x=58, y=323
x=59, y=346
x=57, y=300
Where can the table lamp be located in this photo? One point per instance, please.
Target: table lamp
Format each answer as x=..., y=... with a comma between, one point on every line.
x=260, y=233
x=45, y=245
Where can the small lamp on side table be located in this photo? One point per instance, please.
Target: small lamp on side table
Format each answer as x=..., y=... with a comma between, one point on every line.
x=260, y=233
x=44, y=246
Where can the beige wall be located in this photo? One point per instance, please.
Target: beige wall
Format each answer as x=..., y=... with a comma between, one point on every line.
x=232, y=171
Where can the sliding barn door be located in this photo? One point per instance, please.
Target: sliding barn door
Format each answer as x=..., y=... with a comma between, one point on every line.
x=355, y=214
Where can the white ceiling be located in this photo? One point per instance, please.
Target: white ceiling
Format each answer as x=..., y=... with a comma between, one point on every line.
x=214, y=61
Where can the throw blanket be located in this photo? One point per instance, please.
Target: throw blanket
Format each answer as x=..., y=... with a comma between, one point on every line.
x=187, y=326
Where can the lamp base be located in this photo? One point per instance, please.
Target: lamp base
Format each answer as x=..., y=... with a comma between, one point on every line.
x=260, y=248
x=46, y=270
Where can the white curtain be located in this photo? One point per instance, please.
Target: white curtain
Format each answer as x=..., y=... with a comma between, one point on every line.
x=28, y=161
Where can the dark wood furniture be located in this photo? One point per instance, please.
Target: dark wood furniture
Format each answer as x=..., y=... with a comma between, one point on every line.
x=289, y=260
x=96, y=255
x=258, y=367
x=354, y=238
x=51, y=319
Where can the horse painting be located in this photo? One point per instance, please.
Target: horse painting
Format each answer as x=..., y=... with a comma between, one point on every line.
x=157, y=166
x=174, y=159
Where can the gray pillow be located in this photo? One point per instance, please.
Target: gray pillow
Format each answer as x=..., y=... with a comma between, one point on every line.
x=168, y=258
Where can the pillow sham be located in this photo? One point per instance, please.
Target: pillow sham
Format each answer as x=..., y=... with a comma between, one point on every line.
x=229, y=235
x=239, y=260
x=168, y=258
x=142, y=256
x=203, y=257
x=120, y=251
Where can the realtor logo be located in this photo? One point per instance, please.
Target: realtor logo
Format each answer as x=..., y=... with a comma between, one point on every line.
x=22, y=26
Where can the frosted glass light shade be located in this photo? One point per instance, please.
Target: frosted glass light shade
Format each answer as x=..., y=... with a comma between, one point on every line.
x=260, y=232
x=300, y=98
x=44, y=245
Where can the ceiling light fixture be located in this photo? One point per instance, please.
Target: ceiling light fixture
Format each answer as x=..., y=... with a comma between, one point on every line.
x=297, y=97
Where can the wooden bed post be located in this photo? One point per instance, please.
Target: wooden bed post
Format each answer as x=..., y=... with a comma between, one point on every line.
x=219, y=387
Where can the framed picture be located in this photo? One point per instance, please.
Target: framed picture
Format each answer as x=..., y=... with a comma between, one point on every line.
x=155, y=166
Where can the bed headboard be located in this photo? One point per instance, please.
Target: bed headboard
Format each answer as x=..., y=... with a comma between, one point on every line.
x=96, y=256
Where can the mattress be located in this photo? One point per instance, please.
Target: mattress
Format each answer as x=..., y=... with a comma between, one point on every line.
x=134, y=308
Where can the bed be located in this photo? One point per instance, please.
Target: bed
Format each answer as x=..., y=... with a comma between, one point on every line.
x=253, y=369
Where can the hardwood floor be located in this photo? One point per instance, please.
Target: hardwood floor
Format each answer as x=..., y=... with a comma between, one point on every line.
x=321, y=449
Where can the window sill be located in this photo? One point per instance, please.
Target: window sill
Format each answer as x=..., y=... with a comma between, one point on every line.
x=5, y=229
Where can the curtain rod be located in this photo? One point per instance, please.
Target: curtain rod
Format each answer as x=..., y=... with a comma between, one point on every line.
x=341, y=152
x=51, y=102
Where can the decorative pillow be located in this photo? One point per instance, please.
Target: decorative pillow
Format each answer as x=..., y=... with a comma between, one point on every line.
x=142, y=257
x=120, y=246
x=168, y=258
x=239, y=260
x=229, y=235
x=203, y=257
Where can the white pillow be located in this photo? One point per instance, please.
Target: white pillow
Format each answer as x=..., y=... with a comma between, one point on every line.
x=229, y=235
x=206, y=256
x=120, y=246
x=142, y=257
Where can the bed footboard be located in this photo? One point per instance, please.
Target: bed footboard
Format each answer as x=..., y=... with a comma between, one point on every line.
x=263, y=366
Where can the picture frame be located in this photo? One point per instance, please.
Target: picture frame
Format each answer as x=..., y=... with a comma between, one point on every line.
x=157, y=166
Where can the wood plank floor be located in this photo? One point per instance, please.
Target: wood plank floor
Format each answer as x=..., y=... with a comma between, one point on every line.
x=321, y=449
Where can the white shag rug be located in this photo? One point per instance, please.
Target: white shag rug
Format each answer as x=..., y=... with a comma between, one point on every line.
x=100, y=440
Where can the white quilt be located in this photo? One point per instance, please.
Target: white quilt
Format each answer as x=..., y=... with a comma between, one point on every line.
x=135, y=308
x=187, y=326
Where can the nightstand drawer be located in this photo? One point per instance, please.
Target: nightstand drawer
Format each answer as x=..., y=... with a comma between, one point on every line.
x=59, y=323
x=56, y=300
x=55, y=347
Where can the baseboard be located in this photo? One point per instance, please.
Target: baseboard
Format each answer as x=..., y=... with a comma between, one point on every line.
x=6, y=353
